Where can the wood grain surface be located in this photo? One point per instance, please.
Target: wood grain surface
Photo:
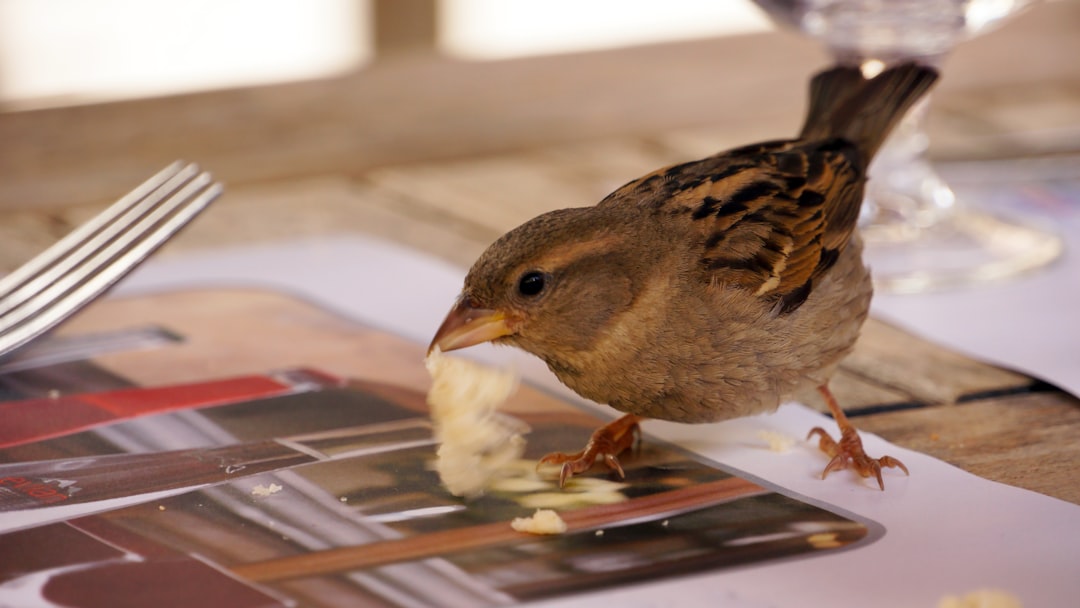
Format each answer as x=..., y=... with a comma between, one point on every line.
x=998, y=87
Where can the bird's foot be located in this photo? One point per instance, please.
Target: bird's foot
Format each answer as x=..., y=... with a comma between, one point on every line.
x=849, y=451
x=606, y=443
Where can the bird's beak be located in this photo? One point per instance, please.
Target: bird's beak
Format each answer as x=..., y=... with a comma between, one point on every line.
x=467, y=325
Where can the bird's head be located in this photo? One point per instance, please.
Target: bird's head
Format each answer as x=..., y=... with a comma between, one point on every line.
x=550, y=286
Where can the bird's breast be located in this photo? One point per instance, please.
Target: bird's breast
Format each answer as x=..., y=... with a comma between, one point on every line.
x=704, y=354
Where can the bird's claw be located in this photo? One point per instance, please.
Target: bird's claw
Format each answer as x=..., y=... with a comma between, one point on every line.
x=606, y=443
x=849, y=451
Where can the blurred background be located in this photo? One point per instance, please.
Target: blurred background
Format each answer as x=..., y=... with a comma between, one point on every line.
x=62, y=52
x=442, y=123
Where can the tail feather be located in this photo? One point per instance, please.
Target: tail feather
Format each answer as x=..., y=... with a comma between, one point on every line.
x=829, y=90
x=844, y=104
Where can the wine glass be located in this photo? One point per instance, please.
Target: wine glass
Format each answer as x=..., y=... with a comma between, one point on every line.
x=919, y=235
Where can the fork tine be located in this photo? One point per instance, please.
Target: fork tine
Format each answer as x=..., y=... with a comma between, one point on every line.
x=74, y=249
x=64, y=246
x=106, y=253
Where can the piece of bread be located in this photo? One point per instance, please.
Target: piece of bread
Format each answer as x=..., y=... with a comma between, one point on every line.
x=476, y=442
x=544, y=521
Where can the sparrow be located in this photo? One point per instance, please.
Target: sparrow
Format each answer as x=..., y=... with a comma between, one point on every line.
x=706, y=290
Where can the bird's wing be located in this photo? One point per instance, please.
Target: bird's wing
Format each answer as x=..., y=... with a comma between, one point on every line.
x=771, y=218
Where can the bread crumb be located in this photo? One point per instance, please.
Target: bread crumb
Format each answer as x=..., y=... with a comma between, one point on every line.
x=824, y=540
x=544, y=521
x=262, y=490
x=476, y=442
x=520, y=485
x=981, y=598
x=778, y=442
x=564, y=499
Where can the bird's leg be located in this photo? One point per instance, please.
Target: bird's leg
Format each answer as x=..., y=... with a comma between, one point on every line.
x=606, y=443
x=849, y=449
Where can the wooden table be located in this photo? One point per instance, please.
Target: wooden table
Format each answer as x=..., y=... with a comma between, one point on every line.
x=445, y=156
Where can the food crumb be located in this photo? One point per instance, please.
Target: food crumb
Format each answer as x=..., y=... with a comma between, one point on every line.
x=665, y=523
x=824, y=540
x=476, y=443
x=263, y=490
x=344, y=499
x=778, y=442
x=599, y=532
x=544, y=521
x=981, y=598
x=161, y=507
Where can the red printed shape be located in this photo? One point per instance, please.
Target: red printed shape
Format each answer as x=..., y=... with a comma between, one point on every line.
x=37, y=419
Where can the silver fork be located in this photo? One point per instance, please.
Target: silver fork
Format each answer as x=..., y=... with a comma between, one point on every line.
x=51, y=287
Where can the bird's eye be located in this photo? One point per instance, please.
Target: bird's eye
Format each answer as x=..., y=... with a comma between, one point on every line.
x=531, y=283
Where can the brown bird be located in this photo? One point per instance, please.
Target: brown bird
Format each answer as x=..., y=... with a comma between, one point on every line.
x=707, y=290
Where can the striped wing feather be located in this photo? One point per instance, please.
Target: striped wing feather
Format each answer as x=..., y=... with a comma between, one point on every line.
x=771, y=217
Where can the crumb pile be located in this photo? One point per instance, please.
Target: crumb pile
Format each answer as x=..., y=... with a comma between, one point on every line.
x=777, y=441
x=476, y=442
x=544, y=521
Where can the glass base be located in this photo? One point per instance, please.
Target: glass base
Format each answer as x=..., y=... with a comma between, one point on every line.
x=967, y=247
